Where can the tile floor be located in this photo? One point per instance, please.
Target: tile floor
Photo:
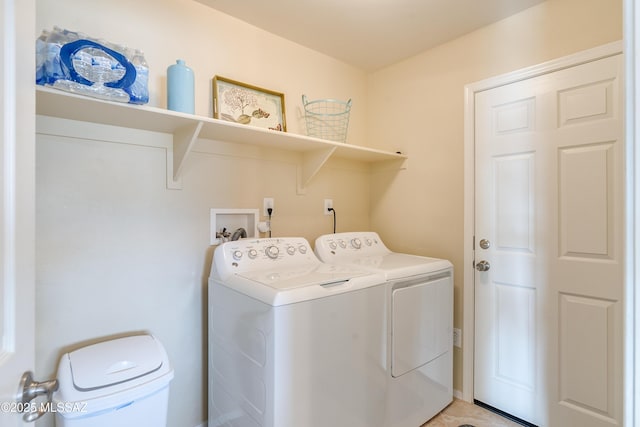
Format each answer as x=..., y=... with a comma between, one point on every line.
x=460, y=412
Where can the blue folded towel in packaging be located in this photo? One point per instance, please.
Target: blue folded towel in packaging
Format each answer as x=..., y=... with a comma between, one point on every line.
x=77, y=63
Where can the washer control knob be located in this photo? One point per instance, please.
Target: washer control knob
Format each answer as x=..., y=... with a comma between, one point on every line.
x=342, y=244
x=302, y=249
x=333, y=245
x=368, y=241
x=291, y=250
x=356, y=243
x=237, y=255
x=253, y=253
x=272, y=252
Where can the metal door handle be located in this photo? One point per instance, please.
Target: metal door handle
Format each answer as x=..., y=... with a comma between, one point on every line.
x=32, y=389
x=483, y=266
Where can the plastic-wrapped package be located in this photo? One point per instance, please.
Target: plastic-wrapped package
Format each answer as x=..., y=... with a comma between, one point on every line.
x=77, y=63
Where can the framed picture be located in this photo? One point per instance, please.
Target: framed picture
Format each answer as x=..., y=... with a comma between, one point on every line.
x=249, y=105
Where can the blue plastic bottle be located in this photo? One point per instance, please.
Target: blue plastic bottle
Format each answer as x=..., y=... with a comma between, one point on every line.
x=180, y=88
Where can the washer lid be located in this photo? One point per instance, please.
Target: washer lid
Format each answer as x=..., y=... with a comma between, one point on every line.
x=116, y=361
x=302, y=276
x=278, y=287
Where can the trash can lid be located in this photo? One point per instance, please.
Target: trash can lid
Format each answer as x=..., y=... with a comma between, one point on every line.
x=116, y=361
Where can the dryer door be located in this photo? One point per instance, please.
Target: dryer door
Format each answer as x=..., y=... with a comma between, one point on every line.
x=422, y=322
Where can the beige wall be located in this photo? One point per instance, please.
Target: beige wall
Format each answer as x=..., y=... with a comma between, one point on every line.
x=417, y=107
x=119, y=253
x=212, y=43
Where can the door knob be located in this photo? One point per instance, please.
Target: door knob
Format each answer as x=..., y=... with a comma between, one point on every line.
x=483, y=266
x=32, y=389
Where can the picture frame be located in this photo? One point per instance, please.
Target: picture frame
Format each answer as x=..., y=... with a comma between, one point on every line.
x=247, y=104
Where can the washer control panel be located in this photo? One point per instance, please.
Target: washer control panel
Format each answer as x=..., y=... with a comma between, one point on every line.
x=348, y=244
x=258, y=254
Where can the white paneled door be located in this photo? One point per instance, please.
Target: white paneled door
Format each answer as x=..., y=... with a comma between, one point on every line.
x=17, y=164
x=549, y=224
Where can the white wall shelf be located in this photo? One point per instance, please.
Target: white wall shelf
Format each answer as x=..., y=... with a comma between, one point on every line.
x=187, y=128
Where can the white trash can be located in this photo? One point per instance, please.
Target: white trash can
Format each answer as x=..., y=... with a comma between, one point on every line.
x=123, y=382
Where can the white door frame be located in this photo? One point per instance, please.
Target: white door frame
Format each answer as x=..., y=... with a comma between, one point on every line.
x=632, y=214
x=469, y=195
x=17, y=198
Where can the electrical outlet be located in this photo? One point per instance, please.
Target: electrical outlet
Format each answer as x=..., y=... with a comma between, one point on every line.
x=266, y=204
x=328, y=204
x=457, y=337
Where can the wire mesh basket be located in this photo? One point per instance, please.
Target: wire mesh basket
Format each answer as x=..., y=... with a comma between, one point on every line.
x=327, y=118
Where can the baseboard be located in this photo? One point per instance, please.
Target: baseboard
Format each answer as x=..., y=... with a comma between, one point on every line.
x=204, y=424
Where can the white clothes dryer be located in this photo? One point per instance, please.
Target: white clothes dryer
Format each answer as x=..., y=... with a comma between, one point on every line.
x=420, y=323
x=294, y=342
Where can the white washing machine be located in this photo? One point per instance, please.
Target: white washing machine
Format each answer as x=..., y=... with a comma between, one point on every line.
x=420, y=323
x=294, y=342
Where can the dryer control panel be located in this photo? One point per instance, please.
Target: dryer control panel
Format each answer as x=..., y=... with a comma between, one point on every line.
x=350, y=244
